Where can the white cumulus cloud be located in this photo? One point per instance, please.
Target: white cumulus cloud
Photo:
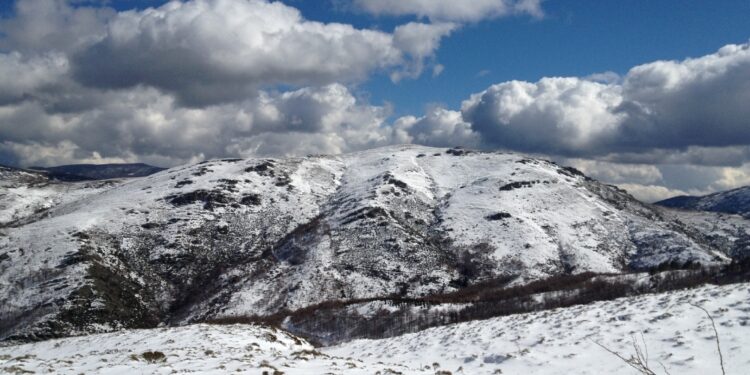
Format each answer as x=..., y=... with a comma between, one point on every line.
x=452, y=10
x=664, y=105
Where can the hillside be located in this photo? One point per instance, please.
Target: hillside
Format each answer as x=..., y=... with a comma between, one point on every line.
x=236, y=237
x=667, y=327
x=674, y=333
x=735, y=201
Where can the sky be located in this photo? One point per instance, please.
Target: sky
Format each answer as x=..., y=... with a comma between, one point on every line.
x=653, y=96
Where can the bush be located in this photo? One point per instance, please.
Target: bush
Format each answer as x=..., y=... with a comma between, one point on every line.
x=154, y=357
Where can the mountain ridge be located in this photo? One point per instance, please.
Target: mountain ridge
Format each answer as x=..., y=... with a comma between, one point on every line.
x=735, y=201
x=85, y=172
x=257, y=236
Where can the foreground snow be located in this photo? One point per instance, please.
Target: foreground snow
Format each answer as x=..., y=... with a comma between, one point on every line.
x=564, y=341
x=203, y=349
x=551, y=342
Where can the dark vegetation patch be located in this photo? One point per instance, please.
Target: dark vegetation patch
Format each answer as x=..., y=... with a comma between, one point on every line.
x=571, y=172
x=390, y=179
x=421, y=155
x=251, y=199
x=81, y=236
x=472, y=263
x=322, y=323
x=228, y=184
x=267, y=169
x=498, y=216
x=365, y=213
x=150, y=225
x=521, y=184
x=183, y=183
x=264, y=168
x=154, y=356
x=458, y=151
x=210, y=199
x=231, y=160
x=4, y=257
x=71, y=258
x=283, y=180
x=202, y=171
x=108, y=297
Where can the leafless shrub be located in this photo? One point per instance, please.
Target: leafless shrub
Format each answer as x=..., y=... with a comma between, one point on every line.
x=640, y=360
x=716, y=335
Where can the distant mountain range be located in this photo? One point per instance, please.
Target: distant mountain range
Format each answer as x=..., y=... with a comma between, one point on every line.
x=84, y=172
x=735, y=201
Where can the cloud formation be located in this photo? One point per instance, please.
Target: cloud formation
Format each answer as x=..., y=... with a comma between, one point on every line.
x=52, y=25
x=665, y=119
x=147, y=125
x=438, y=128
x=231, y=48
x=695, y=106
x=203, y=79
x=452, y=10
x=193, y=80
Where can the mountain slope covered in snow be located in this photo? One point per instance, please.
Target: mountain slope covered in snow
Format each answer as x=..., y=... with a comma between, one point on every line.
x=736, y=201
x=254, y=237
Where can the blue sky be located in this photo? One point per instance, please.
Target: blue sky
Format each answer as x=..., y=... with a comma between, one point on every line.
x=107, y=81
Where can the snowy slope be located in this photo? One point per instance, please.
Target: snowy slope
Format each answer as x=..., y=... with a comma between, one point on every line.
x=562, y=341
x=728, y=233
x=25, y=193
x=201, y=349
x=258, y=236
x=736, y=201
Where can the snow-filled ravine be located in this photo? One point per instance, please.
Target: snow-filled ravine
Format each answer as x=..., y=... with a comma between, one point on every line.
x=671, y=331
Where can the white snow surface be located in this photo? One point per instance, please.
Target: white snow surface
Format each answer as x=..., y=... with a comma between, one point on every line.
x=199, y=349
x=24, y=193
x=674, y=333
x=566, y=341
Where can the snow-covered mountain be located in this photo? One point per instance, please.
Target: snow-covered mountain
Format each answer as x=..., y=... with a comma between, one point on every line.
x=668, y=328
x=735, y=201
x=24, y=193
x=258, y=236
